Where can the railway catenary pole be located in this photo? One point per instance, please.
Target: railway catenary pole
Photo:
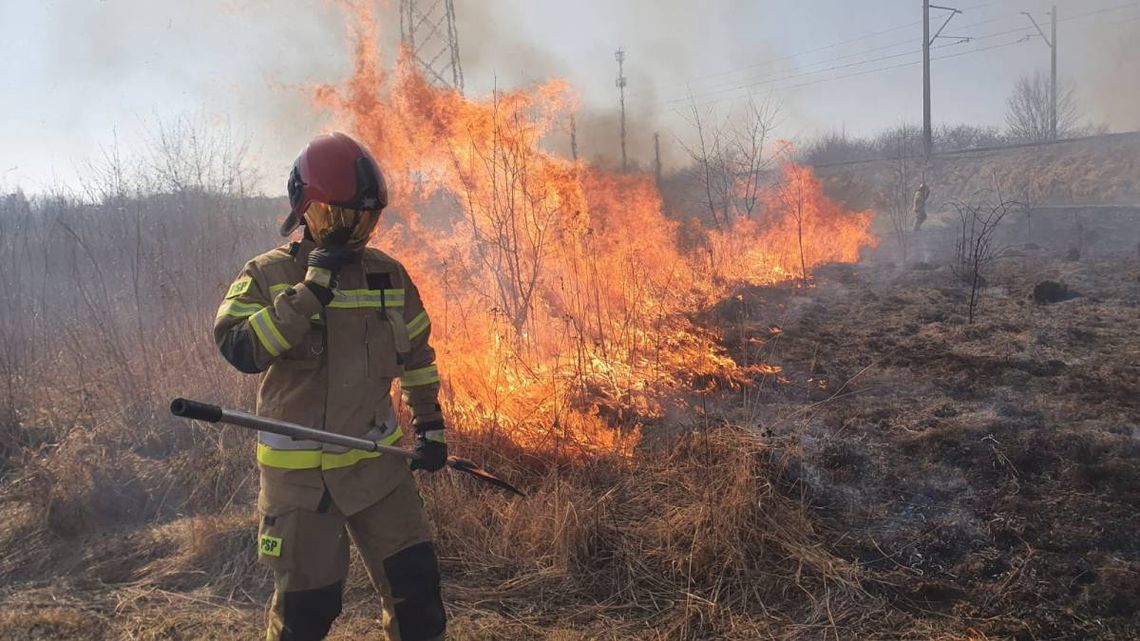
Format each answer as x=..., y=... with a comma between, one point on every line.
x=926, y=129
x=927, y=40
x=1053, y=56
x=1052, y=42
x=619, y=55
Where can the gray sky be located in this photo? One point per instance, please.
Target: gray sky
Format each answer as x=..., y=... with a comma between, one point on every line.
x=83, y=74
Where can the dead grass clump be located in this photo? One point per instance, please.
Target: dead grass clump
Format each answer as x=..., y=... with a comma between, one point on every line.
x=214, y=552
x=86, y=488
x=691, y=540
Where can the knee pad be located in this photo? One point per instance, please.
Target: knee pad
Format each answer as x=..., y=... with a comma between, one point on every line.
x=307, y=615
x=413, y=578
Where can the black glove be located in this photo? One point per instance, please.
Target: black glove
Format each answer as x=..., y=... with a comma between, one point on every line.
x=430, y=449
x=325, y=262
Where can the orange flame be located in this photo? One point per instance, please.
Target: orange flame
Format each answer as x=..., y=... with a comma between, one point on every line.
x=560, y=300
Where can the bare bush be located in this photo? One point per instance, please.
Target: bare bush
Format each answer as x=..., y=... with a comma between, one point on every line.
x=896, y=197
x=838, y=147
x=190, y=153
x=110, y=292
x=974, y=248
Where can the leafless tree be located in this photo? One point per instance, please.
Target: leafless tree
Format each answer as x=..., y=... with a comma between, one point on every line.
x=730, y=157
x=897, y=196
x=794, y=202
x=189, y=153
x=974, y=248
x=513, y=221
x=1029, y=108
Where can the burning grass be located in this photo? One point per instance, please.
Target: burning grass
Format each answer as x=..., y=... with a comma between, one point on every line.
x=556, y=286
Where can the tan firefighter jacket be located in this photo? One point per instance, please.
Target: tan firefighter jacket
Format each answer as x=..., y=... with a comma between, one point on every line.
x=329, y=368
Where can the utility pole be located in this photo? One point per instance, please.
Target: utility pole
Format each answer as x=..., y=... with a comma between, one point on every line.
x=619, y=55
x=657, y=158
x=573, y=137
x=927, y=40
x=1052, y=42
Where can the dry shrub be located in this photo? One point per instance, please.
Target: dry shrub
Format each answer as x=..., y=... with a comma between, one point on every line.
x=92, y=480
x=692, y=540
x=215, y=552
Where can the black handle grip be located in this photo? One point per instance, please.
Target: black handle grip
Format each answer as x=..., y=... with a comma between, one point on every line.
x=187, y=408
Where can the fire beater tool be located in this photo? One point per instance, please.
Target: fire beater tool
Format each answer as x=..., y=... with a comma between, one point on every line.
x=196, y=410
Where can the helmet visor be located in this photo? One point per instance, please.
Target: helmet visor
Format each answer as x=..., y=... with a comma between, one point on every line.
x=330, y=221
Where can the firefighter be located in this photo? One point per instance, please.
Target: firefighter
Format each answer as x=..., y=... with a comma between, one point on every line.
x=328, y=323
x=919, y=207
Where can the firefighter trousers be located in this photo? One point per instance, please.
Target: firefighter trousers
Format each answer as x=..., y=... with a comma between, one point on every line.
x=308, y=553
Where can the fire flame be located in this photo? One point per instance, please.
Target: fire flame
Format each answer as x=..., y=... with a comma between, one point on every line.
x=560, y=301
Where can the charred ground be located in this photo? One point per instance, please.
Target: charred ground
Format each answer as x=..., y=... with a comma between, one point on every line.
x=985, y=471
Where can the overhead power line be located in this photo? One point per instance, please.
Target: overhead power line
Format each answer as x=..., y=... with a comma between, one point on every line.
x=832, y=45
x=878, y=70
x=807, y=69
x=768, y=82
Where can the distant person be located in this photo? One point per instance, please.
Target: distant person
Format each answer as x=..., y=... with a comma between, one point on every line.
x=328, y=322
x=919, y=207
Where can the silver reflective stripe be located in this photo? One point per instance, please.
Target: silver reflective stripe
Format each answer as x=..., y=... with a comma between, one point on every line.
x=267, y=332
x=376, y=433
x=280, y=442
x=318, y=275
x=435, y=435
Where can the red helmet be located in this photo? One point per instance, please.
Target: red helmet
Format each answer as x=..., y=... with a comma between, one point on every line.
x=335, y=170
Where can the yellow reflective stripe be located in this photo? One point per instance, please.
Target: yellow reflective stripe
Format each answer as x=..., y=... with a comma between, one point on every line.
x=418, y=325
x=267, y=332
x=357, y=298
x=312, y=459
x=288, y=459
x=238, y=310
x=351, y=457
x=367, y=298
x=417, y=377
x=393, y=298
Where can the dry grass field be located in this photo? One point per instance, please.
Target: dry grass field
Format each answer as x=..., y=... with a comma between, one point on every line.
x=894, y=473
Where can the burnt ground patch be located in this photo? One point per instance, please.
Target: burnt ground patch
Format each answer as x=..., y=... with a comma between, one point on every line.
x=988, y=470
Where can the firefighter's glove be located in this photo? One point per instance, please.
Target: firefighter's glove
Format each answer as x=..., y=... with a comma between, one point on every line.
x=325, y=262
x=431, y=448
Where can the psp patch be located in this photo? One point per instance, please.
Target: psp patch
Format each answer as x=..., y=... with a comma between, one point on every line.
x=239, y=287
x=269, y=545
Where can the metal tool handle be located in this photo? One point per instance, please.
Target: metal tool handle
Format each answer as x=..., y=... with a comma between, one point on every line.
x=197, y=410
